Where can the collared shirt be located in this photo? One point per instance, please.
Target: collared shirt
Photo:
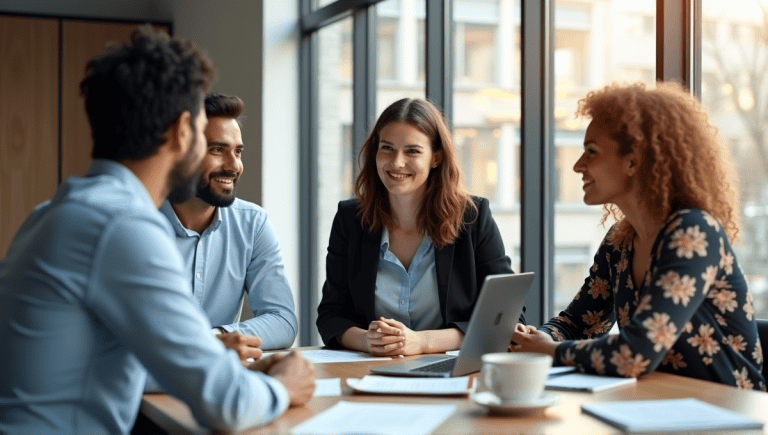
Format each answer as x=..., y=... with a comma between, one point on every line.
x=92, y=290
x=408, y=296
x=239, y=253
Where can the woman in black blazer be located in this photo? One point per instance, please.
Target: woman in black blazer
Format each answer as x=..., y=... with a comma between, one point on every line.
x=407, y=258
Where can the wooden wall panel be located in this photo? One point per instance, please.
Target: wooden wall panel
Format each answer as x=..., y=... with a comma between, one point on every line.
x=29, y=49
x=81, y=40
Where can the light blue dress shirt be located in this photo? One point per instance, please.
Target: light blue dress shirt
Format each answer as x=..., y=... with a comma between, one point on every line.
x=408, y=296
x=92, y=290
x=239, y=253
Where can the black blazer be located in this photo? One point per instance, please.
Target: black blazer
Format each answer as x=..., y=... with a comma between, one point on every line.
x=352, y=264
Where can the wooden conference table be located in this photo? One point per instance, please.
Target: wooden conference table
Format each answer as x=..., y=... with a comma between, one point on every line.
x=470, y=418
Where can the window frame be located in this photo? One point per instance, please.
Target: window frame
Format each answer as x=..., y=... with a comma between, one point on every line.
x=678, y=47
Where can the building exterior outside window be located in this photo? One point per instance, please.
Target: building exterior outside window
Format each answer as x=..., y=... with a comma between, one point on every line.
x=596, y=42
x=334, y=164
x=735, y=90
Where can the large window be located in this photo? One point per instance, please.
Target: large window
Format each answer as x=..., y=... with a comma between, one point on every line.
x=486, y=114
x=510, y=151
x=734, y=88
x=400, y=45
x=596, y=43
x=387, y=31
x=334, y=157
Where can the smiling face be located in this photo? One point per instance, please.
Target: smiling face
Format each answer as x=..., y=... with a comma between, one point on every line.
x=605, y=173
x=404, y=159
x=222, y=164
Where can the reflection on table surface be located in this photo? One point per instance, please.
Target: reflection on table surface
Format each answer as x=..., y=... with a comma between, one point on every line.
x=564, y=417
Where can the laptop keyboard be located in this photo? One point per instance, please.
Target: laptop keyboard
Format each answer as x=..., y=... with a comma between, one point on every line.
x=441, y=366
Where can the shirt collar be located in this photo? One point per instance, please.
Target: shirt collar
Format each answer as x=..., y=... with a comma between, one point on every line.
x=125, y=175
x=170, y=214
x=385, y=240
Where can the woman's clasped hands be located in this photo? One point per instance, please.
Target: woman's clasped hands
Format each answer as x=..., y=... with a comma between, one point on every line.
x=388, y=337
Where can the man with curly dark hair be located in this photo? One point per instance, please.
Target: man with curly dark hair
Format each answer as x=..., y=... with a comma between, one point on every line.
x=93, y=289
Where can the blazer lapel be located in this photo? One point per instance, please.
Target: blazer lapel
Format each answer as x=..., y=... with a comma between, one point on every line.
x=443, y=262
x=363, y=282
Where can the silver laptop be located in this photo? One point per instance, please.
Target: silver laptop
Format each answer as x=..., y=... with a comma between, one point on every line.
x=496, y=313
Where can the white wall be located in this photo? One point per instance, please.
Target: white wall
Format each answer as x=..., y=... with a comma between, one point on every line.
x=229, y=33
x=280, y=131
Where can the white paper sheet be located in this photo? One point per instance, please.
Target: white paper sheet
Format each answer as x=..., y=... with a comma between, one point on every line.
x=453, y=352
x=559, y=370
x=586, y=382
x=317, y=356
x=396, y=385
x=327, y=387
x=669, y=415
x=374, y=418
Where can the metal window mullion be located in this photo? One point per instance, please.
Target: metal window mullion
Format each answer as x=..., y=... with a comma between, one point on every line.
x=314, y=20
x=308, y=152
x=695, y=51
x=536, y=137
x=364, y=77
x=674, y=39
x=439, y=55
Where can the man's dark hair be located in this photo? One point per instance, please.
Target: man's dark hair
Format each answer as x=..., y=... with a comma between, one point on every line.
x=228, y=106
x=136, y=90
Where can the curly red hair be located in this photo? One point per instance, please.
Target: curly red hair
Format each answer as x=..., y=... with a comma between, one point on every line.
x=683, y=161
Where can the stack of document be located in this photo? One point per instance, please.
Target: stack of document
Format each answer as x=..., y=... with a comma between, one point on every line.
x=396, y=385
x=672, y=415
x=560, y=378
x=317, y=356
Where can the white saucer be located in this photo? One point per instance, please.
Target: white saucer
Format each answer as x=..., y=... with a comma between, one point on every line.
x=495, y=404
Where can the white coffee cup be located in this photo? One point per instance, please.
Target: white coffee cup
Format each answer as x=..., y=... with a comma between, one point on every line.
x=515, y=377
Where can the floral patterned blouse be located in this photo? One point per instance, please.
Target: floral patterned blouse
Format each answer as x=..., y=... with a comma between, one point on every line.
x=693, y=315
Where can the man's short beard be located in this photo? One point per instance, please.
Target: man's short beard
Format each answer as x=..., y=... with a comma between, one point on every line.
x=183, y=180
x=206, y=193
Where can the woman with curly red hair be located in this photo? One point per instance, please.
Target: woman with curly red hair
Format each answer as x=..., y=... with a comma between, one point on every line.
x=666, y=270
x=407, y=257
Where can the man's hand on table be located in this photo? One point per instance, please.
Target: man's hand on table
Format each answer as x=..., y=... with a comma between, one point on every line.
x=293, y=371
x=246, y=346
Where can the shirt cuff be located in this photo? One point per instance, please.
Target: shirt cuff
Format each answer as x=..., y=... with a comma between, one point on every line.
x=282, y=399
x=462, y=326
x=151, y=385
x=226, y=328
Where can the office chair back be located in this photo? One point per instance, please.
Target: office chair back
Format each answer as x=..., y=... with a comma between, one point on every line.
x=762, y=332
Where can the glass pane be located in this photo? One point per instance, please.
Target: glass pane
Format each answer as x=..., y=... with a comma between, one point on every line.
x=596, y=42
x=321, y=3
x=334, y=156
x=486, y=108
x=476, y=54
x=733, y=86
x=400, y=46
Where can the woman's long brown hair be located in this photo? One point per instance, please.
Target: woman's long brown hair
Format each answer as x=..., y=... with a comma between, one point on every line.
x=444, y=211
